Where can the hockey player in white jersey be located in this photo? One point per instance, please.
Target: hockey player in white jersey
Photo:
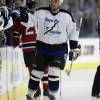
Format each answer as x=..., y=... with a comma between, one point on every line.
x=55, y=27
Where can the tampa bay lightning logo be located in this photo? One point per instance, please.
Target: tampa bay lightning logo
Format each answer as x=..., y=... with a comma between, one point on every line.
x=51, y=26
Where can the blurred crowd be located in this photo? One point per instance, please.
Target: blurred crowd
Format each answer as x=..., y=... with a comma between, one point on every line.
x=88, y=10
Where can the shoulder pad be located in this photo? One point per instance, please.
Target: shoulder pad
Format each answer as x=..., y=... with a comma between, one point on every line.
x=68, y=12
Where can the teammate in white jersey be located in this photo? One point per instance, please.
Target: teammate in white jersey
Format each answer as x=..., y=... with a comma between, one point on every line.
x=55, y=27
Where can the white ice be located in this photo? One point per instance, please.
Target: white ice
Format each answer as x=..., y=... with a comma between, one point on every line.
x=77, y=86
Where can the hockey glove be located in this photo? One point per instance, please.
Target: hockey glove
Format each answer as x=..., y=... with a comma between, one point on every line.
x=74, y=53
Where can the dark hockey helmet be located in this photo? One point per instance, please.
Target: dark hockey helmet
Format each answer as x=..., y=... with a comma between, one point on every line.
x=31, y=4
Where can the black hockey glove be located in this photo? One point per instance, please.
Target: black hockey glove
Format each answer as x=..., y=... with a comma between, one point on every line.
x=74, y=53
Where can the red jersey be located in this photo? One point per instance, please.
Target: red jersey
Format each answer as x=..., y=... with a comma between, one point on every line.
x=27, y=36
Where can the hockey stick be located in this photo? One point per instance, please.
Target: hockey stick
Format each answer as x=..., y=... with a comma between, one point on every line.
x=69, y=71
x=80, y=23
x=60, y=86
x=99, y=32
x=99, y=45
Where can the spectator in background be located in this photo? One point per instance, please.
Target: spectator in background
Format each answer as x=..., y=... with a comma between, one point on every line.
x=87, y=23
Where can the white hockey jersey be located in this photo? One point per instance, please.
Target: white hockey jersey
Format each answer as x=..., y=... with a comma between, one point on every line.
x=54, y=29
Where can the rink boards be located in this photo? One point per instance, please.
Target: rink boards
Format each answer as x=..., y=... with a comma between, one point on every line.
x=14, y=75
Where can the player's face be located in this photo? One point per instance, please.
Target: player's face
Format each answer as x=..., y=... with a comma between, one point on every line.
x=54, y=4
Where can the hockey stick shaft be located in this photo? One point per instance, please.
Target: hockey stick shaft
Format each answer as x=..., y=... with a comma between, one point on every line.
x=60, y=86
x=69, y=71
x=70, y=68
x=99, y=45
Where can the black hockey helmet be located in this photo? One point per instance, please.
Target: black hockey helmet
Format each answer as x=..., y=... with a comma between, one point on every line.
x=31, y=4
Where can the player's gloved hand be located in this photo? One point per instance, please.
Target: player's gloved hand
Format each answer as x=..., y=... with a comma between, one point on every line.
x=74, y=53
